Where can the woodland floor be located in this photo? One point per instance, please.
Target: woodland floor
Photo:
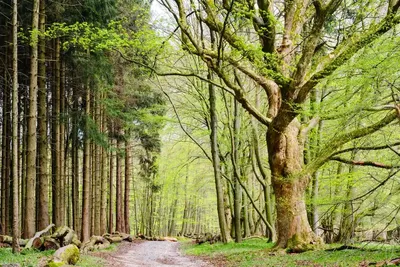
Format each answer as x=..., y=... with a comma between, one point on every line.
x=150, y=253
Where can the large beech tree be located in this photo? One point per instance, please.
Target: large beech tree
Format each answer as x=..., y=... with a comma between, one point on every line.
x=287, y=48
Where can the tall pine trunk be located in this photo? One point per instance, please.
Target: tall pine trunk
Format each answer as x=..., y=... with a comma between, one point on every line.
x=85, y=231
x=16, y=234
x=43, y=179
x=29, y=218
x=128, y=174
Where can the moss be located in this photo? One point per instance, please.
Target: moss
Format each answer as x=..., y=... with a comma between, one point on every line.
x=54, y=263
x=301, y=242
x=65, y=255
x=70, y=254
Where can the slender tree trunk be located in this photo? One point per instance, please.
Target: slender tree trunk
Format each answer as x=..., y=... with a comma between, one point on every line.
x=128, y=174
x=118, y=204
x=236, y=175
x=97, y=187
x=75, y=163
x=86, y=173
x=5, y=151
x=16, y=234
x=103, y=212
x=62, y=146
x=111, y=191
x=55, y=151
x=43, y=178
x=216, y=162
x=29, y=218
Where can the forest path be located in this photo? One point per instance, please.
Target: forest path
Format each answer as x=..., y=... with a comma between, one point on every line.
x=154, y=253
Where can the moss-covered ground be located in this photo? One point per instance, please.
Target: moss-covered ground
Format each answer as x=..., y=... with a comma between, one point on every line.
x=257, y=252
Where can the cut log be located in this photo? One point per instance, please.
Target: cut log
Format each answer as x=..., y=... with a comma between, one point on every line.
x=50, y=243
x=38, y=234
x=38, y=243
x=64, y=256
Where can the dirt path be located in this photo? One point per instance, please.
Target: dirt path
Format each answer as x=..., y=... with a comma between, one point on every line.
x=153, y=253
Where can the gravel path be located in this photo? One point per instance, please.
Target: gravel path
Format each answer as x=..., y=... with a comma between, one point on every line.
x=155, y=253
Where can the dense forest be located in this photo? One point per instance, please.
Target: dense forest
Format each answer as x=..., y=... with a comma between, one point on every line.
x=180, y=118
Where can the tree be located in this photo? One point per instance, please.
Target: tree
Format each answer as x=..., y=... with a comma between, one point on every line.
x=15, y=226
x=30, y=218
x=288, y=67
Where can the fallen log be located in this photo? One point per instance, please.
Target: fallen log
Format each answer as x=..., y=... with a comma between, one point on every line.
x=114, y=239
x=5, y=245
x=64, y=256
x=126, y=237
x=8, y=240
x=95, y=242
x=38, y=234
x=66, y=236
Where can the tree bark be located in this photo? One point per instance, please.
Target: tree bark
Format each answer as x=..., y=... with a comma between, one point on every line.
x=286, y=161
x=118, y=204
x=43, y=179
x=15, y=226
x=30, y=216
x=55, y=148
x=128, y=174
x=216, y=162
x=85, y=231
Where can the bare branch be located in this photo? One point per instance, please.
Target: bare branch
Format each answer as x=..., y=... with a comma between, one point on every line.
x=366, y=148
x=365, y=163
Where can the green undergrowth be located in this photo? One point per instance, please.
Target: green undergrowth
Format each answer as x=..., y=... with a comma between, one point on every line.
x=35, y=258
x=26, y=258
x=257, y=252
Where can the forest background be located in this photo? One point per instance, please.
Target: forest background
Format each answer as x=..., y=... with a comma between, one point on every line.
x=238, y=118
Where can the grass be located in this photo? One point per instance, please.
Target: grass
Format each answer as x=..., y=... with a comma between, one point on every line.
x=26, y=258
x=257, y=252
x=32, y=258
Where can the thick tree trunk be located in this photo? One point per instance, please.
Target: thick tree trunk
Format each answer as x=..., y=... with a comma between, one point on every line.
x=286, y=161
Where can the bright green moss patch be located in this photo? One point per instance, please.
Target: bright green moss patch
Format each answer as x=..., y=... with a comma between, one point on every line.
x=257, y=252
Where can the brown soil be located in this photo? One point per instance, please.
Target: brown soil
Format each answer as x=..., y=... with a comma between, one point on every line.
x=150, y=253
